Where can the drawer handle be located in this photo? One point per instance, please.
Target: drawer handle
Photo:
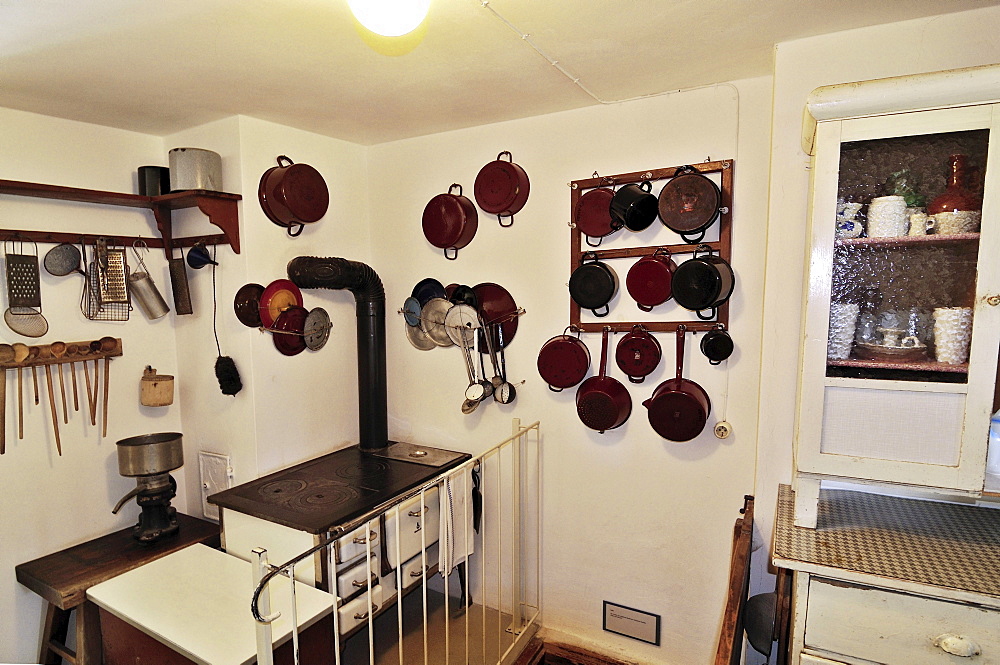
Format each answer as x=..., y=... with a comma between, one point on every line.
x=418, y=573
x=363, y=583
x=372, y=536
x=361, y=617
x=418, y=513
x=957, y=645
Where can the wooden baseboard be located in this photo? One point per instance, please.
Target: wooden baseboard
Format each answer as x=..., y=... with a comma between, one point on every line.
x=552, y=653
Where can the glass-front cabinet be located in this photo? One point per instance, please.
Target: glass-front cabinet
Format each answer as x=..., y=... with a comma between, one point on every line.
x=902, y=330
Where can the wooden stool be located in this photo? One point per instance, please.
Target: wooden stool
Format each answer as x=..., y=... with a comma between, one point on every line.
x=63, y=578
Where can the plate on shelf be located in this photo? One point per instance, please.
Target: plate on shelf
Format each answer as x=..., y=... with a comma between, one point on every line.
x=891, y=353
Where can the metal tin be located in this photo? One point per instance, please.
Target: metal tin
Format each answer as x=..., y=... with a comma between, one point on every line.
x=195, y=168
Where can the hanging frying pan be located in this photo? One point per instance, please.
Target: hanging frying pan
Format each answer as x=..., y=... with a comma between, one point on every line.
x=649, y=280
x=63, y=259
x=703, y=283
x=593, y=284
x=679, y=407
x=502, y=188
x=689, y=203
x=563, y=361
x=278, y=296
x=638, y=354
x=293, y=195
x=450, y=221
x=602, y=402
x=497, y=309
x=592, y=215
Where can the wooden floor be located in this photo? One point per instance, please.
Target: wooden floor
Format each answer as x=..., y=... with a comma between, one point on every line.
x=446, y=642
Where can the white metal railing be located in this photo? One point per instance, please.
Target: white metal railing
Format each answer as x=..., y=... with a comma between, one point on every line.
x=494, y=545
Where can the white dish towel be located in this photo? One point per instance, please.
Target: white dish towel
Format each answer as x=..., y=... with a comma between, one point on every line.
x=457, y=538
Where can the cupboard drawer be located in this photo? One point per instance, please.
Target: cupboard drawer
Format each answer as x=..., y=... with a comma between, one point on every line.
x=417, y=524
x=354, y=544
x=411, y=573
x=355, y=612
x=891, y=627
x=354, y=580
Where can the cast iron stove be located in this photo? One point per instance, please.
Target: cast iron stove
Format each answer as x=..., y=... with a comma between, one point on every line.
x=334, y=489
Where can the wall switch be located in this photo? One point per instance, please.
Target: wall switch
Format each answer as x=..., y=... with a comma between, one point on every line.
x=216, y=475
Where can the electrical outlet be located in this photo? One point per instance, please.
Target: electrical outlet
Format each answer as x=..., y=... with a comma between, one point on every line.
x=216, y=475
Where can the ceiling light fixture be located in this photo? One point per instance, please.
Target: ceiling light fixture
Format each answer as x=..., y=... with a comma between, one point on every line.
x=390, y=18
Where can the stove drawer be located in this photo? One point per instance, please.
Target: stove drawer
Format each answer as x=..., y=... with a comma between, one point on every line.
x=411, y=573
x=418, y=524
x=355, y=613
x=354, y=580
x=355, y=544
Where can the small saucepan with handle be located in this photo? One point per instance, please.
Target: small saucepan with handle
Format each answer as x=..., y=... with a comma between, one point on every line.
x=717, y=345
x=602, y=402
x=679, y=407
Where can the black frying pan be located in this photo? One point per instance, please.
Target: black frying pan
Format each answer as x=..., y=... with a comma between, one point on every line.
x=63, y=259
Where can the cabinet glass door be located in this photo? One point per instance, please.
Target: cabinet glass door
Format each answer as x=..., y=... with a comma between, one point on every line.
x=902, y=331
x=904, y=272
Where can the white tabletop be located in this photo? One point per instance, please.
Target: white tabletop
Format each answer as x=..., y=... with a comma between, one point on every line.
x=197, y=602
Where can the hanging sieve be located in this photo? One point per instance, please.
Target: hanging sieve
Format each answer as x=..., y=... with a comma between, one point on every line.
x=142, y=286
x=26, y=321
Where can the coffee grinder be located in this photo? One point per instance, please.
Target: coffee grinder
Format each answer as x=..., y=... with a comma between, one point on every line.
x=149, y=459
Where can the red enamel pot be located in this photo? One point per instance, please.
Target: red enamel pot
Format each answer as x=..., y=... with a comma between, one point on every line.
x=563, y=361
x=638, y=354
x=679, y=407
x=450, y=221
x=592, y=215
x=650, y=279
x=502, y=188
x=292, y=195
x=602, y=402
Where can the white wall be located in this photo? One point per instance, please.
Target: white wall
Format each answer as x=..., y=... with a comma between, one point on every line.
x=943, y=42
x=50, y=502
x=628, y=516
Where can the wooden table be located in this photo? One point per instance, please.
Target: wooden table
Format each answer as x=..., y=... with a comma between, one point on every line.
x=62, y=579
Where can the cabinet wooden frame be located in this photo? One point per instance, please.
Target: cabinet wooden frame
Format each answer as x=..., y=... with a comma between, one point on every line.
x=966, y=474
x=723, y=246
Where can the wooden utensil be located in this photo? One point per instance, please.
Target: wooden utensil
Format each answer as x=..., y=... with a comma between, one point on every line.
x=52, y=407
x=20, y=355
x=58, y=350
x=71, y=351
x=108, y=344
x=3, y=413
x=90, y=394
x=33, y=352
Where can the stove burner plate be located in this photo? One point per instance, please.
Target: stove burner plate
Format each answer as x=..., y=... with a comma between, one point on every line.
x=279, y=491
x=367, y=468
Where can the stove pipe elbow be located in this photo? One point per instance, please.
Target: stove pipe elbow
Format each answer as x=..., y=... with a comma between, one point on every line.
x=311, y=272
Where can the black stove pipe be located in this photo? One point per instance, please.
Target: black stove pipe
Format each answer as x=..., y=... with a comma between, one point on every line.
x=311, y=272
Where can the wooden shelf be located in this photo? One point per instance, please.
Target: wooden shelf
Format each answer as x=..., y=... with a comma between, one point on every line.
x=219, y=207
x=723, y=246
x=921, y=366
x=933, y=240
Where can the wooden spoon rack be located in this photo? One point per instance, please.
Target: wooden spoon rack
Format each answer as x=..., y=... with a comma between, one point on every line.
x=106, y=347
x=220, y=207
x=723, y=246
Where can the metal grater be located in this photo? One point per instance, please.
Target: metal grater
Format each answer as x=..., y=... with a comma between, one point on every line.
x=22, y=281
x=112, y=276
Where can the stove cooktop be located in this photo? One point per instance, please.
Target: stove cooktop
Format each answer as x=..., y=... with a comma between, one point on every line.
x=319, y=494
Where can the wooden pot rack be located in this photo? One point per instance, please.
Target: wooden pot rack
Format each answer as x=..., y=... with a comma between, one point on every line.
x=220, y=208
x=723, y=246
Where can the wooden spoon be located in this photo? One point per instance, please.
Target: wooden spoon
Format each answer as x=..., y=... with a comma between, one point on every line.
x=71, y=351
x=20, y=355
x=58, y=350
x=33, y=352
x=6, y=356
x=108, y=344
x=45, y=352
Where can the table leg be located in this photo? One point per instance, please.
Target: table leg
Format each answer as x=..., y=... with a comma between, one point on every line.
x=54, y=636
x=89, y=650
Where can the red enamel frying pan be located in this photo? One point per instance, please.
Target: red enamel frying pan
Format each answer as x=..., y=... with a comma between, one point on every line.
x=602, y=402
x=679, y=407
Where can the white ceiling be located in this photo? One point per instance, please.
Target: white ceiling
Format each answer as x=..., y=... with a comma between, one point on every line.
x=161, y=66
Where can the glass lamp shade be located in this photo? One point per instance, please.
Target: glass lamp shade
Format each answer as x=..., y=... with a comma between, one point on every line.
x=390, y=18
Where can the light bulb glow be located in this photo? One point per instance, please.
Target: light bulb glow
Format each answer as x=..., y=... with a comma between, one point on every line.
x=390, y=18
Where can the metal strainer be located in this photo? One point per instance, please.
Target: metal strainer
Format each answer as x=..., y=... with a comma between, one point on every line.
x=24, y=298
